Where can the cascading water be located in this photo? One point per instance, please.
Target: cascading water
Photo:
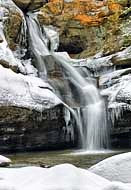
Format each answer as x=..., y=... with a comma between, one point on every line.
x=91, y=114
x=93, y=132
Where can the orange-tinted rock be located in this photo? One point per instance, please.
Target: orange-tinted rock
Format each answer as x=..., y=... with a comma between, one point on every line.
x=86, y=26
x=88, y=20
x=12, y=27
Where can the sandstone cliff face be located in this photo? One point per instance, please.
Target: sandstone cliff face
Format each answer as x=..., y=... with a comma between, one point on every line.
x=12, y=21
x=25, y=130
x=85, y=28
x=88, y=27
x=28, y=121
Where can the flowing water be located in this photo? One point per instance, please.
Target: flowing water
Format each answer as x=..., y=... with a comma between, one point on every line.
x=91, y=117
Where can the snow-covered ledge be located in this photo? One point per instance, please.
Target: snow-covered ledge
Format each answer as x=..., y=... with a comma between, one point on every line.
x=25, y=91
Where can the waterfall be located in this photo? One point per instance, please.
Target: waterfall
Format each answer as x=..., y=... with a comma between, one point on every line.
x=91, y=116
x=94, y=133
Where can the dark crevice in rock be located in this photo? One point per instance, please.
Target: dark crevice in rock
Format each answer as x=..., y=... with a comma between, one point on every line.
x=72, y=48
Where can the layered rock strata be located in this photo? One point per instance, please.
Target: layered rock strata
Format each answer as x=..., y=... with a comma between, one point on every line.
x=88, y=27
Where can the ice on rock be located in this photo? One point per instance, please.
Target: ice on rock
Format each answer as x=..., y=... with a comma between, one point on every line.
x=108, y=78
x=29, y=68
x=100, y=64
x=123, y=56
x=117, y=88
x=6, y=55
x=53, y=37
x=115, y=168
x=25, y=91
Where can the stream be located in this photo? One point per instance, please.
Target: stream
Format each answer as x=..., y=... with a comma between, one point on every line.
x=51, y=158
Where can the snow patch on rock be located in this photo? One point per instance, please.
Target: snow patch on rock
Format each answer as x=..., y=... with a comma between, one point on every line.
x=115, y=168
x=25, y=91
x=4, y=161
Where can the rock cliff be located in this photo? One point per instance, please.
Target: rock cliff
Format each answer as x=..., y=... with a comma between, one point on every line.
x=32, y=117
x=100, y=32
x=88, y=27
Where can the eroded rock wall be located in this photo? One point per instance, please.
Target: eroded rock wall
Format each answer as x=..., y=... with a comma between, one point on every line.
x=88, y=27
x=31, y=116
x=25, y=130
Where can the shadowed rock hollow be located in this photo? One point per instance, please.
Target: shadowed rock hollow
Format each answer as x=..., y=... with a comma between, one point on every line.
x=29, y=4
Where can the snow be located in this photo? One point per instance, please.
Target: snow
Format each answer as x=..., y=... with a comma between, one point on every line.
x=116, y=86
x=118, y=186
x=53, y=36
x=4, y=160
x=108, y=77
x=116, y=168
x=60, y=177
x=100, y=64
x=69, y=177
x=5, y=52
x=25, y=91
x=6, y=55
x=124, y=55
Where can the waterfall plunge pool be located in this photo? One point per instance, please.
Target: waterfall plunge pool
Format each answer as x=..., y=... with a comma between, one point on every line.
x=51, y=158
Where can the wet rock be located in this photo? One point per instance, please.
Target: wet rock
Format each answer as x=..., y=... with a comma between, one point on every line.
x=45, y=165
x=24, y=129
x=1, y=39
